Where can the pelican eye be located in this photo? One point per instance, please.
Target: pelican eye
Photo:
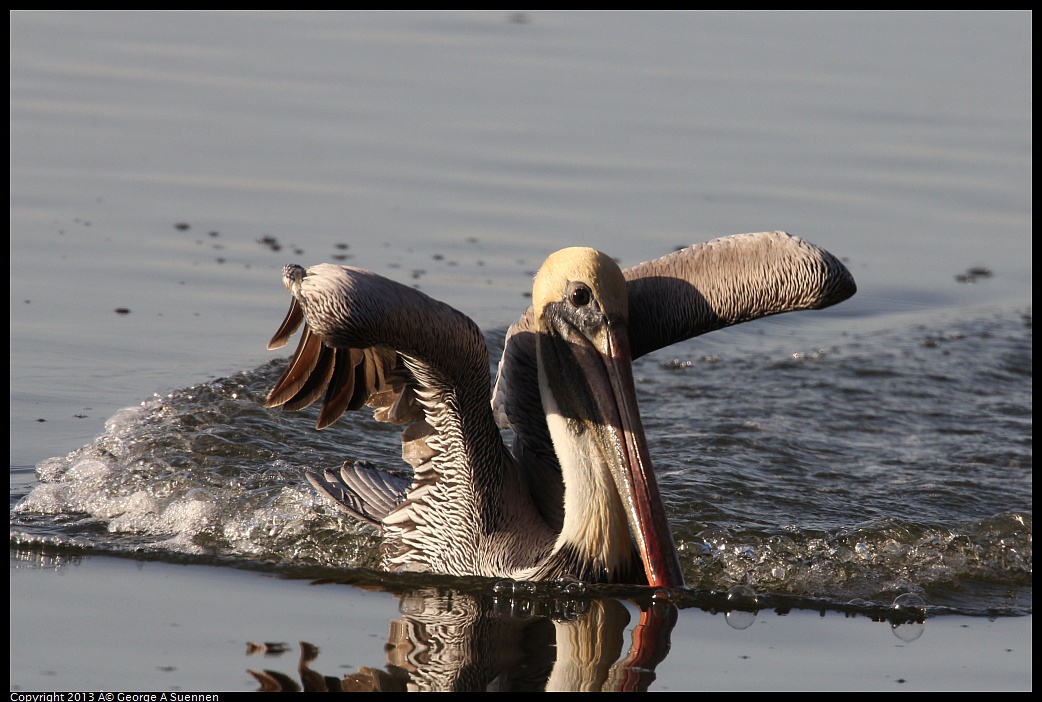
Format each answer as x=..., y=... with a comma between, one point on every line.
x=579, y=294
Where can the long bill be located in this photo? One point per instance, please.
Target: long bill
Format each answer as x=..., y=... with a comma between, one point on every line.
x=633, y=473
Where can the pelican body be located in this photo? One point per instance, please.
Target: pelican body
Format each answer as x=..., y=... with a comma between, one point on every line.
x=575, y=495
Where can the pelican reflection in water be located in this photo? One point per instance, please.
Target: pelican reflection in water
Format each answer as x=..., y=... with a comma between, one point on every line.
x=575, y=495
x=454, y=641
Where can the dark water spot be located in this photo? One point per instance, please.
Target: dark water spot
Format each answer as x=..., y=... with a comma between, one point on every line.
x=973, y=274
x=271, y=242
x=182, y=226
x=122, y=310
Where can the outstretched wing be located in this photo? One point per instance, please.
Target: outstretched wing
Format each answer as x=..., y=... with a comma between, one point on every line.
x=728, y=281
x=418, y=362
x=685, y=294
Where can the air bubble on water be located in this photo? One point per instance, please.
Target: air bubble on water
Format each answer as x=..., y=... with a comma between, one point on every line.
x=571, y=586
x=742, y=596
x=524, y=587
x=912, y=609
x=911, y=603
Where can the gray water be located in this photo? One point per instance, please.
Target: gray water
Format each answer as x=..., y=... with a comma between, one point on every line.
x=165, y=166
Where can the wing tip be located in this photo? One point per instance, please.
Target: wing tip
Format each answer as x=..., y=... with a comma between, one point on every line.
x=294, y=318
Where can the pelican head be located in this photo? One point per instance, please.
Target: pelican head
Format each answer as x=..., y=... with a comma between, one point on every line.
x=614, y=519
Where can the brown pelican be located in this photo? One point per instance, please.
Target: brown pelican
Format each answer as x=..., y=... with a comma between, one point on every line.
x=575, y=494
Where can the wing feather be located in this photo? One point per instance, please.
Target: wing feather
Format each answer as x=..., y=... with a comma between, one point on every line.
x=298, y=370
